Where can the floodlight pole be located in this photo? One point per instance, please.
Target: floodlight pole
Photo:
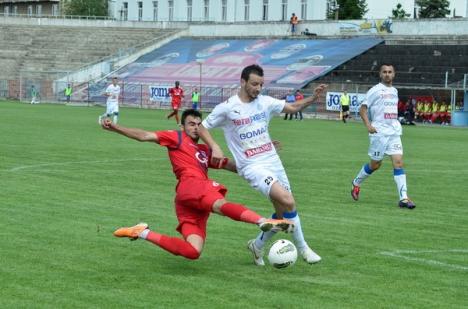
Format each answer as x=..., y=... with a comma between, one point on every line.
x=200, y=63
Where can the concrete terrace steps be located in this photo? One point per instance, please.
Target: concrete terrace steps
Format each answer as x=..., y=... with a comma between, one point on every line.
x=48, y=48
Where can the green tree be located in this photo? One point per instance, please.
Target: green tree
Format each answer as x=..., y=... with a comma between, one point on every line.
x=399, y=12
x=86, y=7
x=349, y=9
x=433, y=8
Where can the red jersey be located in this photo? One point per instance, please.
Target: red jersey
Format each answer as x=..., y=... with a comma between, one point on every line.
x=188, y=158
x=299, y=96
x=176, y=95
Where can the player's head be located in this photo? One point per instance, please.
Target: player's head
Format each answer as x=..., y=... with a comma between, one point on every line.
x=252, y=81
x=190, y=123
x=387, y=73
x=177, y=83
x=114, y=81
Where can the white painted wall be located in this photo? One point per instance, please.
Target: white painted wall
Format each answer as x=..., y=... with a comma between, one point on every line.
x=316, y=9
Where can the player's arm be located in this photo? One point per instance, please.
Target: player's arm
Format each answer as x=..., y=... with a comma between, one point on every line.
x=133, y=133
x=217, y=155
x=365, y=119
x=301, y=104
x=230, y=166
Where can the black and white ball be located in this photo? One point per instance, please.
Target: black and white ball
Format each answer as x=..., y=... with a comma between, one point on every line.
x=283, y=253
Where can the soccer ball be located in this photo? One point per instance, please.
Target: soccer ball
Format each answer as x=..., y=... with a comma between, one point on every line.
x=282, y=254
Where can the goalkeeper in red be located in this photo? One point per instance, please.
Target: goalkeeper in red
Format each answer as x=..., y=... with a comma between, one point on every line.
x=197, y=196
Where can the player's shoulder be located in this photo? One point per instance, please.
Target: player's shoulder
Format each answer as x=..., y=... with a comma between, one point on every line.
x=230, y=102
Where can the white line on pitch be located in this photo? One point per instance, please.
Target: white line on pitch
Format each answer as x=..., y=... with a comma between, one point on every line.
x=401, y=254
x=23, y=167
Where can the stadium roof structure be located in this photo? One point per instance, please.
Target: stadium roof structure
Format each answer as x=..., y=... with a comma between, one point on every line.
x=288, y=63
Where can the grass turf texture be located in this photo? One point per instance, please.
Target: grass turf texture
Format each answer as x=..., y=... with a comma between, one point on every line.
x=66, y=184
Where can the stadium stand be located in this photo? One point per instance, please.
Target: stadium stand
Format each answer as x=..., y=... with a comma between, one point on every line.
x=422, y=64
x=55, y=48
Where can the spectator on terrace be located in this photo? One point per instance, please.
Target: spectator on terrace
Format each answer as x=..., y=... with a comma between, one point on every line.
x=293, y=21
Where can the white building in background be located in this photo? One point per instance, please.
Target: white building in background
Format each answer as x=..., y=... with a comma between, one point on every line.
x=253, y=10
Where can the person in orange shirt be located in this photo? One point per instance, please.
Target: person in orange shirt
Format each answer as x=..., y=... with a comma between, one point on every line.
x=293, y=21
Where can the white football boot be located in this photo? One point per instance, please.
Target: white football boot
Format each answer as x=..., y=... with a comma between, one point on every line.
x=256, y=253
x=309, y=256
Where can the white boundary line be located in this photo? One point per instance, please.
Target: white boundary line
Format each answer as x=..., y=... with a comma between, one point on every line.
x=23, y=167
x=403, y=254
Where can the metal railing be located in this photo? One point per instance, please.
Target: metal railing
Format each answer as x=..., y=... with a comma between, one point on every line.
x=3, y=14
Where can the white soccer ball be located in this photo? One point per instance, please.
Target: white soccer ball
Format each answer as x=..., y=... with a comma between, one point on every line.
x=282, y=254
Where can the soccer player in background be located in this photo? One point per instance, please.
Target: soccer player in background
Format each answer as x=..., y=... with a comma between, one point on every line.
x=196, y=195
x=379, y=112
x=244, y=119
x=177, y=94
x=112, y=104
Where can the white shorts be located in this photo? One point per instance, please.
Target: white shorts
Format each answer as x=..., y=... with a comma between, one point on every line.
x=112, y=108
x=381, y=145
x=262, y=177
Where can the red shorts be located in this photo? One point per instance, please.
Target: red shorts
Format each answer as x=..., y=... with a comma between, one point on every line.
x=175, y=105
x=193, y=204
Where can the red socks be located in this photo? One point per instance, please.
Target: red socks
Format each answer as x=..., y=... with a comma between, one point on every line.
x=174, y=245
x=240, y=213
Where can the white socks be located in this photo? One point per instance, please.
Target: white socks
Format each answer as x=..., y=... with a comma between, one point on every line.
x=400, y=180
x=362, y=175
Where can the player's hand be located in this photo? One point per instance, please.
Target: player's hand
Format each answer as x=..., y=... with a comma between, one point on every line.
x=217, y=156
x=106, y=123
x=371, y=129
x=277, y=145
x=319, y=90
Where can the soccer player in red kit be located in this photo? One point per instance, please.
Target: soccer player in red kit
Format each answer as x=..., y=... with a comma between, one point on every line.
x=196, y=195
x=177, y=94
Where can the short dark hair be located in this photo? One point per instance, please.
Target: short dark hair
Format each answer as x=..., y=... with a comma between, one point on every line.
x=386, y=64
x=190, y=112
x=251, y=69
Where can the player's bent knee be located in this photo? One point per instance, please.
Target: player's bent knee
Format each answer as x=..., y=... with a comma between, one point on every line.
x=287, y=203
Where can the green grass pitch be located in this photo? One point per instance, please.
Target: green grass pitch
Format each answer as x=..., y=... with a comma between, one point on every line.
x=66, y=184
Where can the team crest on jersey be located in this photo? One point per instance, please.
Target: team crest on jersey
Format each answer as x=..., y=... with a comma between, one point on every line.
x=202, y=157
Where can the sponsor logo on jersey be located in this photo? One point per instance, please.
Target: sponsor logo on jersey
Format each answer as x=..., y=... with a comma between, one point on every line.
x=390, y=116
x=258, y=150
x=249, y=120
x=254, y=133
x=388, y=96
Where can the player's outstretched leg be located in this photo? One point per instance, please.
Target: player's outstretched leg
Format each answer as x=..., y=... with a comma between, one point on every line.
x=240, y=212
x=173, y=245
x=276, y=225
x=131, y=232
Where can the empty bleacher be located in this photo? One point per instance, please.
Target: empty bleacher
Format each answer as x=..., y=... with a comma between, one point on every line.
x=415, y=65
x=26, y=49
